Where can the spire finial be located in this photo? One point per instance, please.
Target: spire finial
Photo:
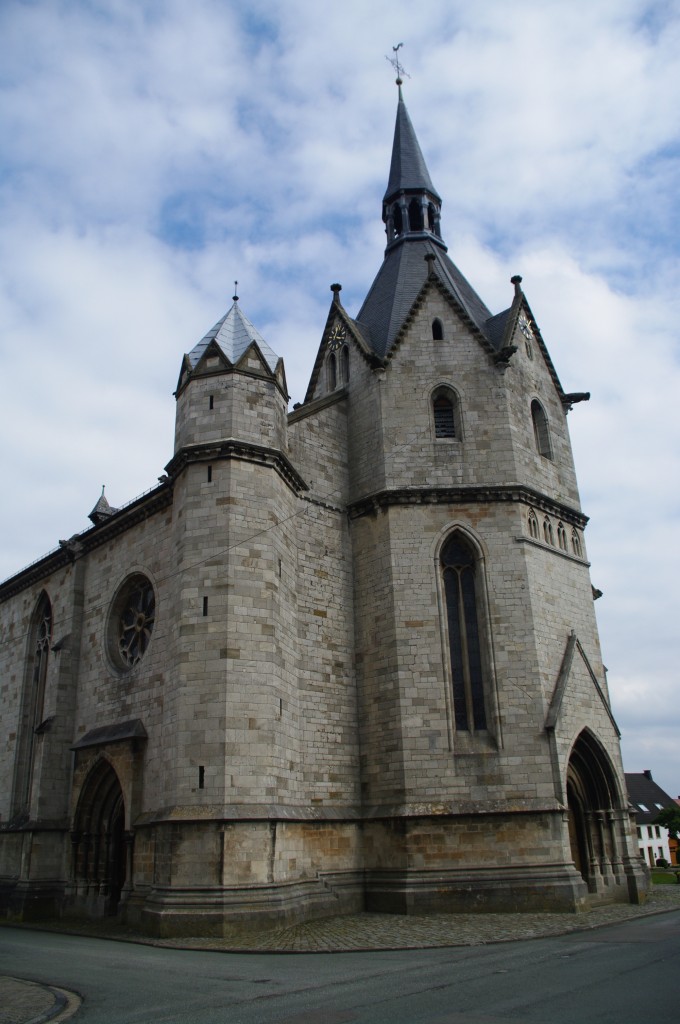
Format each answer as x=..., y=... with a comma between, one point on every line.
x=517, y=281
x=398, y=66
x=235, y=295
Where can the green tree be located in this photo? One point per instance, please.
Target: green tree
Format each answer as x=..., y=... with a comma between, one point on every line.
x=669, y=817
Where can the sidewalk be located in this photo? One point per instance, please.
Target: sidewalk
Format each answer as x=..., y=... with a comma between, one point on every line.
x=23, y=1002
x=26, y=1002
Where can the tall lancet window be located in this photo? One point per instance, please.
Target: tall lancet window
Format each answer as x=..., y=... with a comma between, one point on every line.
x=459, y=569
x=33, y=703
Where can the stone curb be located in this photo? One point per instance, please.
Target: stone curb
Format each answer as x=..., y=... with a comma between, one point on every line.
x=30, y=1002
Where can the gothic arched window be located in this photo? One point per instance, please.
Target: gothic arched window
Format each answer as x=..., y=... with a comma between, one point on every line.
x=444, y=413
x=576, y=544
x=33, y=703
x=437, y=330
x=533, y=524
x=541, y=430
x=548, y=532
x=459, y=571
x=332, y=372
x=562, y=536
x=344, y=364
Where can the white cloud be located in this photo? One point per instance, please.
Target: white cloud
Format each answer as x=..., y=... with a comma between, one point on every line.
x=158, y=152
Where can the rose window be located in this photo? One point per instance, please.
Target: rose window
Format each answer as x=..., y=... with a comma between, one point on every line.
x=132, y=622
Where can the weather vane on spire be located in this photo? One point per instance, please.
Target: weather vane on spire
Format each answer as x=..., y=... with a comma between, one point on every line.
x=396, y=63
x=235, y=295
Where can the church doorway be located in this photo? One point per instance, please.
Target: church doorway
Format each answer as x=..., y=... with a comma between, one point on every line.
x=99, y=842
x=594, y=814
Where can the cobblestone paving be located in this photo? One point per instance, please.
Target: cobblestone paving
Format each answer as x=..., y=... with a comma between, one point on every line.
x=390, y=931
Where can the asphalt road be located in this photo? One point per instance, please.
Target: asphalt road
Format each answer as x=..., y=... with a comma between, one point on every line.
x=623, y=974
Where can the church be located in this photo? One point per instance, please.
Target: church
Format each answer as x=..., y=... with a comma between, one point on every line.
x=338, y=659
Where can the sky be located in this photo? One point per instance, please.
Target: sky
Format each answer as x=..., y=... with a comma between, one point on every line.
x=154, y=151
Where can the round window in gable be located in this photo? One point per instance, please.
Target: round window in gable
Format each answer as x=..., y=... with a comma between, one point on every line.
x=131, y=622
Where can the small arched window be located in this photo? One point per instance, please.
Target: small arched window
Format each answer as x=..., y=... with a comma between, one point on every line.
x=437, y=330
x=548, y=532
x=533, y=524
x=398, y=219
x=459, y=569
x=332, y=372
x=561, y=536
x=444, y=412
x=576, y=544
x=344, y=364
x=541, y=430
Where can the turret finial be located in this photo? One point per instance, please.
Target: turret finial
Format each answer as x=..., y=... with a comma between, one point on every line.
x=516, y=280
x=235, y=295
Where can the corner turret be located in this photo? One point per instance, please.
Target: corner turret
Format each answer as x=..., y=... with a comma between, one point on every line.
x=232, y=385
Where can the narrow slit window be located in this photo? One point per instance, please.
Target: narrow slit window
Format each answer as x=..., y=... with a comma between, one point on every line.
x=209, y=474
x=211, y=402
x=205, y=605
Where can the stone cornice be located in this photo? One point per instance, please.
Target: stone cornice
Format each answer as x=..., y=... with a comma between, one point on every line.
x=515, y=493
x=317, y=404
x=82, y=543
x=245, y=451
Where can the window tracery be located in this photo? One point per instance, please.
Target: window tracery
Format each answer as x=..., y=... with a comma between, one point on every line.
x=459, y=570
x=533, y=524
x=548, y=532
x=131, y=623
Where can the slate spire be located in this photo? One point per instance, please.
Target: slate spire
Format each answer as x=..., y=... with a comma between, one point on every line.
x=411, y=204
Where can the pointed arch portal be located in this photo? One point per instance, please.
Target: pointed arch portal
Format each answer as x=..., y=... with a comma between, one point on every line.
x=99, y=841
x=595, y=812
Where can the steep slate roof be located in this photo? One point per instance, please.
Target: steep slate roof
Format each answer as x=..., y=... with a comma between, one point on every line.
x=408, y=169
x=643, y=790
x=396, y=286
x=404, y=270
x=234, y=333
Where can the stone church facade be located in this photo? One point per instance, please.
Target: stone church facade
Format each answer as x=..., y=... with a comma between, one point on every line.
x=341, y=658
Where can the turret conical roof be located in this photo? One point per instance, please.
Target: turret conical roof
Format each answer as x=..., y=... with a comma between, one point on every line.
x=234, y=333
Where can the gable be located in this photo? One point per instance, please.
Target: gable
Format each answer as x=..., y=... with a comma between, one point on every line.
x=577, y=688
